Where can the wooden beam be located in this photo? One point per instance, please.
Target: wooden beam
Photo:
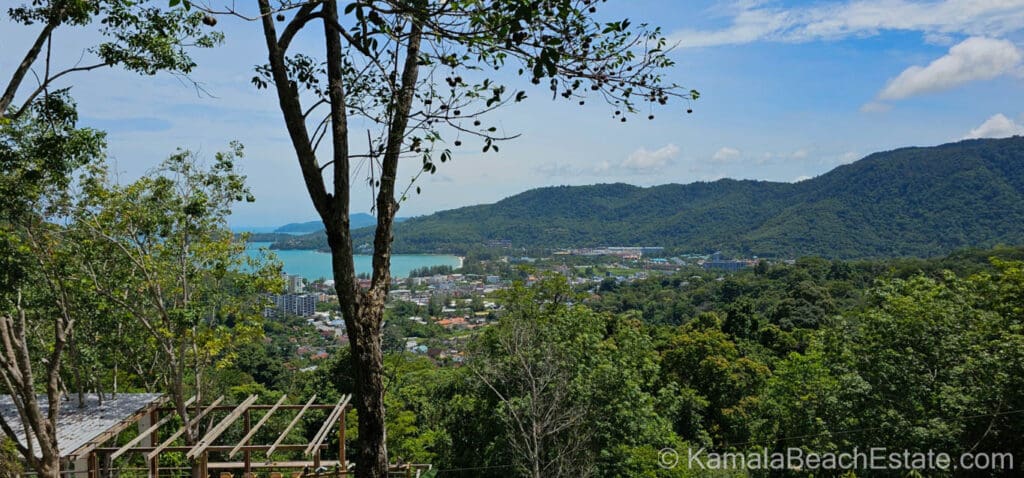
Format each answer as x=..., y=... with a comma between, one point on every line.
x=167, y=442
x=261, y=407
x=289, y=427
x=256, y=428
x=325, y=429
x=221, y=427
x=213, y=448
x=149, y=431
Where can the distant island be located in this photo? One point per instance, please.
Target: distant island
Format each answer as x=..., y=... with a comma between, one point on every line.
x=280, y=235
x=920, y=201
x=356, y=221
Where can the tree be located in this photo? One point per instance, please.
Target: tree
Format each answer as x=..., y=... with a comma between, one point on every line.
x=381, y=70
x=527, y=364
x=40, y=148
x=138, y=36
x=38, y=300
x=176, y=268
x=574, y=390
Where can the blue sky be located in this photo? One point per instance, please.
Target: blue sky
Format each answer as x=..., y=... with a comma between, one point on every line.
x=789, y=91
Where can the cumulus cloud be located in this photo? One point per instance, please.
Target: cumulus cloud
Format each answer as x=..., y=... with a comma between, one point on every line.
x=725, y=155
x=975, y=58
x=997, y=126
x=939, y=21
x=643, y=160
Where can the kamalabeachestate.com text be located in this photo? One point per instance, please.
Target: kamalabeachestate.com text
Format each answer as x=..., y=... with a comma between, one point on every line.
x=869, y=459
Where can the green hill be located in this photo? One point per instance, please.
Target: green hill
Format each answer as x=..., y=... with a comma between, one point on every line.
x=906, y=202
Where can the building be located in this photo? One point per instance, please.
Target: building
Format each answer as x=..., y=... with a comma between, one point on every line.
x=302, y=305
x=294, y=284
x=721, y=265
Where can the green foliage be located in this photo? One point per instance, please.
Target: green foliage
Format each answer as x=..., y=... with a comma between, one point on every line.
x=910, y=354
x=177, y=270
x=586, y=381
x=10, y=461
x=39, y=152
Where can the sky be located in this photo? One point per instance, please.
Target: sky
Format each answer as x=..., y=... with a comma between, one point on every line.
x=789, y=90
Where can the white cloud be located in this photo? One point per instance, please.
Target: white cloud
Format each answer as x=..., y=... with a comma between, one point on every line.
x=940, y=39
x=643, y=160
x=801, y=178
x=848, y=157
x=997, y=126
x=875, y=107
x=975, y=58
x=938, y=20
x=725, y=155
x=800, y=154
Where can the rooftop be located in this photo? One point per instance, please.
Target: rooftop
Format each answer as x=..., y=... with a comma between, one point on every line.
x=82, y=428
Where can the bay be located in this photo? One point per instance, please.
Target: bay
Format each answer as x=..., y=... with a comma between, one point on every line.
x=313, y=265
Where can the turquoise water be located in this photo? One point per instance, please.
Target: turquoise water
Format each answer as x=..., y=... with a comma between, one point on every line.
x=313, y=265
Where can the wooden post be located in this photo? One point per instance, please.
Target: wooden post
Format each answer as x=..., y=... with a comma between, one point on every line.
x=342, y=460
x=154, y=438
x=204, y=470
x=248, y=454
x=94, y=466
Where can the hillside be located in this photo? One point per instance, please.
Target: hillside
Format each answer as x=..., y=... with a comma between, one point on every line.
x=906, y=202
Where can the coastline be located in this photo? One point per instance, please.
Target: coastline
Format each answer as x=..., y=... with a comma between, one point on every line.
x=313, y=264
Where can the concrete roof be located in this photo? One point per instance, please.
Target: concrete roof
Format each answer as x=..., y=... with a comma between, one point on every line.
x=78, y=429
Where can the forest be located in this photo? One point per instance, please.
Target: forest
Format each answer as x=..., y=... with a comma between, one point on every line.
x=826, y=356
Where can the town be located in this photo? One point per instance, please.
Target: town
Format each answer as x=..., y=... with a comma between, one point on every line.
x=436, y=311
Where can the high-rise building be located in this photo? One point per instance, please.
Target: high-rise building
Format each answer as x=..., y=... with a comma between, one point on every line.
x=294, y=284
x=303, y=305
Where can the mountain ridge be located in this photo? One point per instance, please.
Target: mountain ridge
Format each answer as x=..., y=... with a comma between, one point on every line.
x=913, y=201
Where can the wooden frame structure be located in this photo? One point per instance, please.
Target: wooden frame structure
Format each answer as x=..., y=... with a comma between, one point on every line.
x=151, y=414
x=149, y=435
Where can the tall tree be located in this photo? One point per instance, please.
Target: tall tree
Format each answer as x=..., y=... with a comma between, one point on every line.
x=174, y=267
x=40, y=148
x=412, y=72
x=574, y=390
x=38, y=268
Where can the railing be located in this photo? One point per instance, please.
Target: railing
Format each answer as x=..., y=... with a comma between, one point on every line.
x=396, y=471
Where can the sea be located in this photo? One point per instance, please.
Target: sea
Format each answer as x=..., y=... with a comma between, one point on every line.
x=313, y=265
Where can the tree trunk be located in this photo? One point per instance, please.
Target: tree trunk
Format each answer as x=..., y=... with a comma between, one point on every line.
x=50, y=468
x=368, y=363
x=16, y=369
